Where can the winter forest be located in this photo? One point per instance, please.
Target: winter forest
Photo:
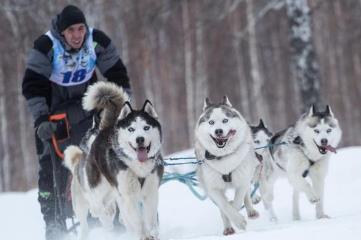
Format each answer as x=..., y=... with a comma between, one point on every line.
x=272, y=58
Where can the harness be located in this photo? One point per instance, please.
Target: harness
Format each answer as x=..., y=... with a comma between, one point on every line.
x=298, y=141
x=226, y=177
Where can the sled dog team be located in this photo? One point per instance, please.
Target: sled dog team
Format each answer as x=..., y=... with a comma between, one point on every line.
x=119, y=162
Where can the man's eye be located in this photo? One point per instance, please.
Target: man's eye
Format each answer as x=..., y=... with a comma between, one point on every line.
x=131, y=129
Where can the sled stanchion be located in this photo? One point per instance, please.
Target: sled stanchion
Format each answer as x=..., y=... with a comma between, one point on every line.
x=59, y=214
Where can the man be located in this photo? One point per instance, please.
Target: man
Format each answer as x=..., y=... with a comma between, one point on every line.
x=59, y=69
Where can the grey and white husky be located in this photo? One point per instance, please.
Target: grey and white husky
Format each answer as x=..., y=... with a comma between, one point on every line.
x=304, y=158
x=119, y=163
x=223, y=141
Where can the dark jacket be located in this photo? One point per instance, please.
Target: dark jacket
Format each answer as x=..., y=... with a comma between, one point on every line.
x=45, y=97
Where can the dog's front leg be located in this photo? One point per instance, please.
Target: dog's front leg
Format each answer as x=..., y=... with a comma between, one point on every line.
x=266, y=189
x=131, y=211
x=240, y=197
x=226, y=208
x=151, y=213
x=251, y=212
x=296, y=205
x=318, y=183
x=301, y=185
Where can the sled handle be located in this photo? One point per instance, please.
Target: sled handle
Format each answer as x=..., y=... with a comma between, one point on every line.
x=54, y=141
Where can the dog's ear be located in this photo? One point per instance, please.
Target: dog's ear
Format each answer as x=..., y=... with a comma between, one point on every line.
x=261, y=124
x=206, y=104
x=126, y=109
x=328, y=111
x=148, y=108
x=225, y=101
x=312, y=111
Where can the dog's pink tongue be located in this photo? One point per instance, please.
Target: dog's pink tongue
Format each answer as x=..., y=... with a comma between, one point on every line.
x=142, y=154
x=331, y=149
x=231, y=133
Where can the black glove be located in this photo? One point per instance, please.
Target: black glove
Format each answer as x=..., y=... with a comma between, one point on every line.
x=46, y=129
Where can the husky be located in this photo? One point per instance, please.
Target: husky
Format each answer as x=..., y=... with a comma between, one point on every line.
x=223, y=141
x=265, y=174
x=119, y=164
x=304, y=158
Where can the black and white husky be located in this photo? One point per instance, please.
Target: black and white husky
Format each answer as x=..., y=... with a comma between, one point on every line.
x=119, y=165
x=265, y=173
x=304, y=158
x=223, y=141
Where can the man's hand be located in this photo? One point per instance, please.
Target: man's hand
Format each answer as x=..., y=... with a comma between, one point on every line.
x=46, y=129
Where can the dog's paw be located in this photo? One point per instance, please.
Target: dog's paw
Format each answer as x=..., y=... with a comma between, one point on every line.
x=150, y=238
x=228, y=231
x=241, y=223
x=320, y=216
x=273, y=219
x=296, y=217
x=109, y=211
x=313, y=198
x=253, y=214
x=256, y=199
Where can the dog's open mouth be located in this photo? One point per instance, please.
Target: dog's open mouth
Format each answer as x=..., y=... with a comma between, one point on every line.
x=221, y=141
x=142, y=152
x=324, y=148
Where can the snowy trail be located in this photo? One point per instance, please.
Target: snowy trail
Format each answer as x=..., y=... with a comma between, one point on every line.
x=182, y=216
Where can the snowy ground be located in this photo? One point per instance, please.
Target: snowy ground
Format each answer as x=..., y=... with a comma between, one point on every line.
x=182, y=216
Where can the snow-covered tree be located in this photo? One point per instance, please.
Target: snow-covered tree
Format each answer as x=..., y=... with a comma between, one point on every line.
x=305, y=67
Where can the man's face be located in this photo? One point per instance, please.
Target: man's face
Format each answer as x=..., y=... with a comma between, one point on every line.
x=74, y=35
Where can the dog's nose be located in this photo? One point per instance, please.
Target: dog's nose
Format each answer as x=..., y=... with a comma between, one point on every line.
x=218, y=132
x=324, y=141
x=140, y=140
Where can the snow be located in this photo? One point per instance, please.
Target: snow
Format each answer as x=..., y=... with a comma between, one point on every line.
x=183, y=216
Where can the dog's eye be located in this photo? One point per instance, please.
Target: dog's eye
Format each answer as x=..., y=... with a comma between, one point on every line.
x=146, y=128
x=225, y=120
x=211, y=122
x=316, y=131
x=257, y=142
x=329, y=130
x=131, y=129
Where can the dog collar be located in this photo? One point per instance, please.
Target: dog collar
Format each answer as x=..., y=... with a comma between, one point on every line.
x=298, y=141
x=210, y=156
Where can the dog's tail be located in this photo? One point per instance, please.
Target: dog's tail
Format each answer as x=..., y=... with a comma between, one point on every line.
x=72, y=157
x=106, y=97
